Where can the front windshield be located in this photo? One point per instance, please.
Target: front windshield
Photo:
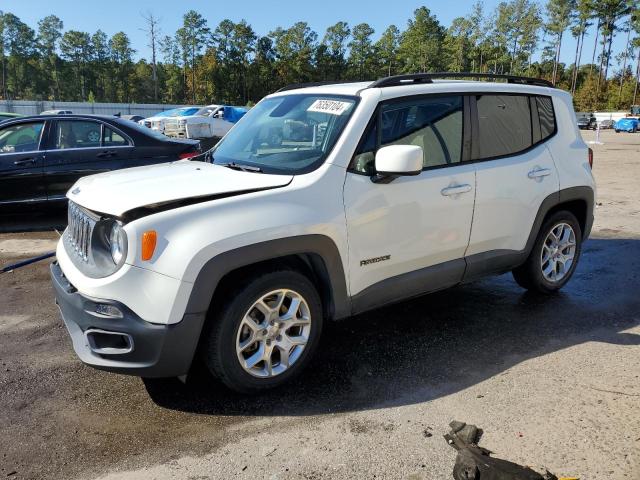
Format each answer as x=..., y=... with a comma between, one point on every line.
x=167, y=113
x=289, y=134
x=186, y=112
x=206, y=111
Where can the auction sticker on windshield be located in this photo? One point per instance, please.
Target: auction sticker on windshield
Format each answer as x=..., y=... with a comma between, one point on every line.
x=334, y=107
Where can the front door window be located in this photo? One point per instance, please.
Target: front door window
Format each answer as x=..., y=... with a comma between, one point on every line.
x=23, y=137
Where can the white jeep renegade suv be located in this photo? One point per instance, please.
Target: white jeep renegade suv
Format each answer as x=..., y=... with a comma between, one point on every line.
x=324, y=201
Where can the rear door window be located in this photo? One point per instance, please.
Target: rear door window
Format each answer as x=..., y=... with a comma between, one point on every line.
x=111, y=138
x=547, y=117
x=76, y=134
x=504, y=125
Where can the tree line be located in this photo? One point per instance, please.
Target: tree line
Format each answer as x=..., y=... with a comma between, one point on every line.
x=231, y=63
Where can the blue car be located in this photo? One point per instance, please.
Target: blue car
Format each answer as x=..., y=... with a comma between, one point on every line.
x=631, y=125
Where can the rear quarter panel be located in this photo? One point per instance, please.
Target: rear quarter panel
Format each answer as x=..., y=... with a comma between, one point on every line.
x=569, y=150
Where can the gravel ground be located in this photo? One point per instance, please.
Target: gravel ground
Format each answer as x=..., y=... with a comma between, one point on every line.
x=554, y=381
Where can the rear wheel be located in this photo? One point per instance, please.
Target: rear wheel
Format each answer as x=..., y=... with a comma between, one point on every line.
x=265, y=332
x=554, y=256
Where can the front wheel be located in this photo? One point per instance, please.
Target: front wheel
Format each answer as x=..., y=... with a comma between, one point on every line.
x=265, y=332
x=554, y=256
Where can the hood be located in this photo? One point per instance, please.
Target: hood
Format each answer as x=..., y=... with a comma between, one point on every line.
x=120, y=191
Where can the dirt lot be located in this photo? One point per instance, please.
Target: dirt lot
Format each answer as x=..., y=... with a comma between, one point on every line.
x=553, y=381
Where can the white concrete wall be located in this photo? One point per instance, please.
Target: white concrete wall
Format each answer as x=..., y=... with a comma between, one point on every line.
x=34, y=107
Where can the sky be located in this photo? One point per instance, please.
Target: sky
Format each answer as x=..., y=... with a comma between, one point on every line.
x=264, y=15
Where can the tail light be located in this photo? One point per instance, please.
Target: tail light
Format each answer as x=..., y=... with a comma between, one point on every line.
x=187, y=155
x=591, y=159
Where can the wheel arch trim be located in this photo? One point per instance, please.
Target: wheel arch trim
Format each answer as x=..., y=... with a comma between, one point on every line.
x=320, y=246
x=556, y=200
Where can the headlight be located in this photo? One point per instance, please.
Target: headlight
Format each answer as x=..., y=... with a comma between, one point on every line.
x=117, y=242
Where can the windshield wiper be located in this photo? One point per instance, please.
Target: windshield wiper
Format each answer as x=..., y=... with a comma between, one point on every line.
x=239, y=166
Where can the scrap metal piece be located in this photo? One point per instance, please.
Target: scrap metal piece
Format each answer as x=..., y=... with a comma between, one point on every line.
x=24, y=263
x=475, y=463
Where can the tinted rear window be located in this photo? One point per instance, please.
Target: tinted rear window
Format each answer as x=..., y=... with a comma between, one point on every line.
x=547, y=118
x=504, y=125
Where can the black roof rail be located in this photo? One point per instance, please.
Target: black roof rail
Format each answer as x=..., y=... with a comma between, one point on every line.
x=295, y=86
x=416, y=78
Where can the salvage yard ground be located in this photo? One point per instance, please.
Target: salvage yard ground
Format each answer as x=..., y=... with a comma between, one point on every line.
x=554, y=381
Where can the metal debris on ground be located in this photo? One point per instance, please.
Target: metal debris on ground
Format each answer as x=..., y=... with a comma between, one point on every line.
x=474, y=462
x=24, y=263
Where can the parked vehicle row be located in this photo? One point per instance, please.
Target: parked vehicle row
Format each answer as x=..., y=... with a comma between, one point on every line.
x=42, y=156
x=627, y=124
x=212, y=121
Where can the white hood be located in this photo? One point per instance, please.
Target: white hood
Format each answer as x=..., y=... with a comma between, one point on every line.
x=119, y=191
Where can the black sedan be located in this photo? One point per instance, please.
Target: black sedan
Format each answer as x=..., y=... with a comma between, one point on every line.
x=587, y=123
x=42, y=157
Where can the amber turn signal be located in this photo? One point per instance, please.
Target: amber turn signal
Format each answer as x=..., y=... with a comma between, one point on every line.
x=149, y=239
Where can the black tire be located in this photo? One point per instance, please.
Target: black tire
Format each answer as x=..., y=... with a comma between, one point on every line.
x=529, y=275
x=219, y=343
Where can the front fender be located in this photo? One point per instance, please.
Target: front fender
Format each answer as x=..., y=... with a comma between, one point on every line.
x=217, y=267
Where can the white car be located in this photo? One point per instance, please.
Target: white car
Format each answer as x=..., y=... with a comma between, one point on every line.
x=212, y=121
x=321, y=203
x=56, y=112
x=157, y=122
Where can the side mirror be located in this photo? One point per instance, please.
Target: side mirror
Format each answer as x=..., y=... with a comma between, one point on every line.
x=397, y=160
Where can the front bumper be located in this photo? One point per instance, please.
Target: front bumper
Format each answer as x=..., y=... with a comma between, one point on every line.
x=178, y=131
x=147, y=349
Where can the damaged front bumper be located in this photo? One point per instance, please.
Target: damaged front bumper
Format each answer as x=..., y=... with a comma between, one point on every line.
x=109, y=336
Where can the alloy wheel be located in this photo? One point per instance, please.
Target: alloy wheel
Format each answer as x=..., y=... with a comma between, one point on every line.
x=273, y=333
x=558, y=252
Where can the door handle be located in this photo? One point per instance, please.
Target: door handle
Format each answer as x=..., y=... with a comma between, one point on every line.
x=455, y=190
x=539, y=173
x=108, y=153
x=25, y=161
